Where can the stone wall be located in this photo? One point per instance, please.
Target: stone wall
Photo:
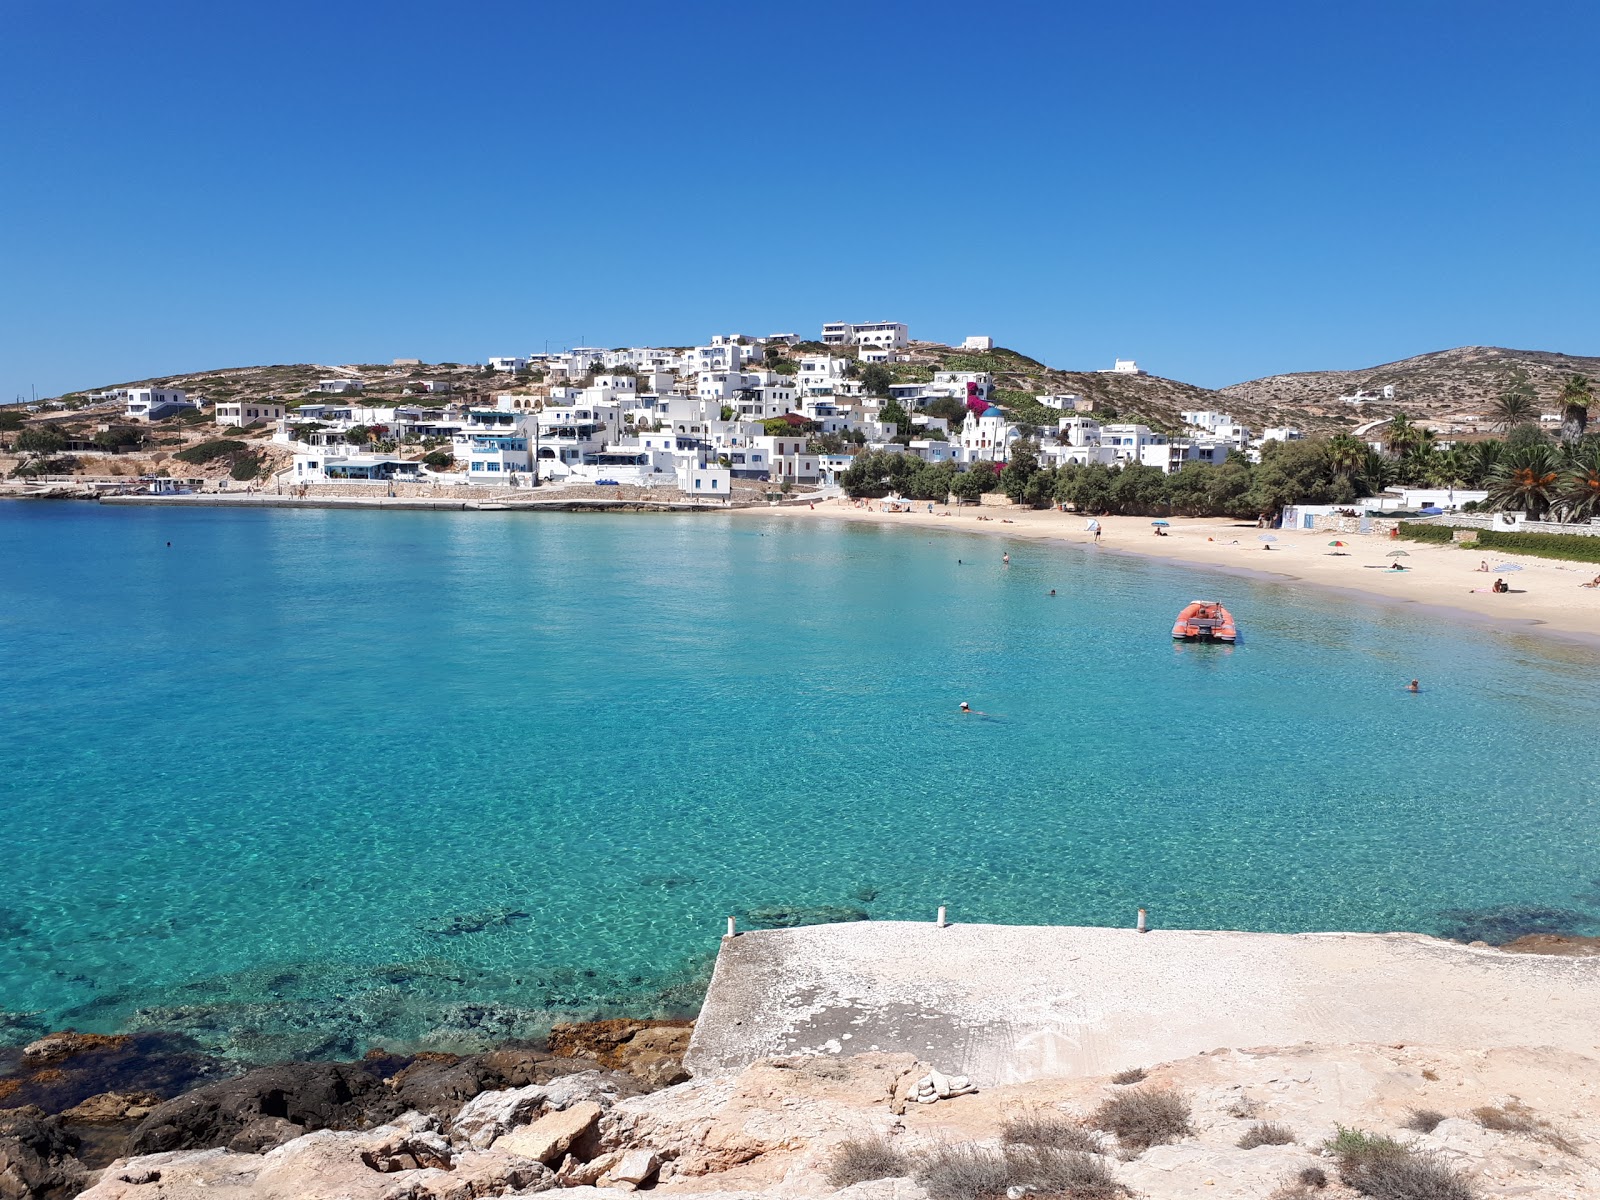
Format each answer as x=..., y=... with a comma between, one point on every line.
x=1332, y=523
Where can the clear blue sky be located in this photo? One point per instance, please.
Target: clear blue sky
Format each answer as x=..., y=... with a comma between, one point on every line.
x=1220, y=190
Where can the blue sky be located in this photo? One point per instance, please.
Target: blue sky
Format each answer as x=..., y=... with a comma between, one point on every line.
x=1220, y=190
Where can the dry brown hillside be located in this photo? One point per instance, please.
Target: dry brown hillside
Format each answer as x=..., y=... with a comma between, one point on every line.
x=1429, y=385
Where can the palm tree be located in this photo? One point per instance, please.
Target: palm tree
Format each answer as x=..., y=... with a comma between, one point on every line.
x=1401, y=435
x=1525, y=478
x=1346, y=454
x=1577, y=396
x=1377, y=471
x=1517, y=404
x=1450, y=468
x=1483, y=456
x=1580, y=487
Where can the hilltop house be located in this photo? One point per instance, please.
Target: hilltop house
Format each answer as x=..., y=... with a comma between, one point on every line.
x=156, y=403
x=244, y=412
x=892, y=334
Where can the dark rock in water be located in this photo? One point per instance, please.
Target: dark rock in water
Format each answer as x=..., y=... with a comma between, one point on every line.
x=1564, y=945
x=774, y=917
x=38, y=1158
x=460, y=923
x=58, y=1047
x=1502, y=923
x=17, y=1028
x=66, y=1069
x=308, y=1095
x=866, y=893
x=12, y=924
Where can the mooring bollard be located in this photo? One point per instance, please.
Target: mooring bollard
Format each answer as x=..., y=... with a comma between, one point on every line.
x=1140, y=926
x=731, y=933
x=941, y=922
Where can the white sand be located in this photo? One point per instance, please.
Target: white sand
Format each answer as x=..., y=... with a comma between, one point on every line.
x=1547, y=596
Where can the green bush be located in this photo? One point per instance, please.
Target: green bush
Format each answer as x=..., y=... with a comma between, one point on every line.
x=248, y=466
x=207, y=451
x=1573, y=547
x=1427, y=533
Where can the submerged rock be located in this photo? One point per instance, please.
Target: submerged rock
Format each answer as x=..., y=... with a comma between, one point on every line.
x=462, y=923
x=779, y=917
x=1502, y=923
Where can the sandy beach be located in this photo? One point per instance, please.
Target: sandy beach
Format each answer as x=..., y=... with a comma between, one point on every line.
x=1547, y=596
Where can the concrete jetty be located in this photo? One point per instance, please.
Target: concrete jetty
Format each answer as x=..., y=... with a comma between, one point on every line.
x=1005, y=1004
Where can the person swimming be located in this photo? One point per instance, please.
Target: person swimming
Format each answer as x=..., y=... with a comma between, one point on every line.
x=965, y=707
x=1413, y=686
x=1052, y=591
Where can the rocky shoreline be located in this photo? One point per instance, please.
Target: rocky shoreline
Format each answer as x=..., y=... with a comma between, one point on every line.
x=72, y=1103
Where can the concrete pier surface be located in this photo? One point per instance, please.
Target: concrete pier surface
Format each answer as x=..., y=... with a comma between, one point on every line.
x=1004, y=1003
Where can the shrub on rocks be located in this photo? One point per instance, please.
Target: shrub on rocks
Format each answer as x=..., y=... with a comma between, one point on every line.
x=860, y=1159
x=968, y=1172
x=1143, y=1117
x=1050, y=1130
x=1385, y=1169
x=1265, y=1133
x=1423, y=1120
x=1519, y=1118
x=1131, y=1075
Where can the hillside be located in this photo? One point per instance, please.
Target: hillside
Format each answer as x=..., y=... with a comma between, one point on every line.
x=1150, y=399
x=1444, y=383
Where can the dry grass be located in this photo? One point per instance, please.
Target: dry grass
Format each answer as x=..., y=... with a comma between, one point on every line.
x=1422, y=1120
x=968, y=1172
x=1384, y=1169
x=1143, y=1117
x=1050, y=1130
x=861, y=1159
x=1131, y=1075
x=1265, y=1133
x=1518, y=1118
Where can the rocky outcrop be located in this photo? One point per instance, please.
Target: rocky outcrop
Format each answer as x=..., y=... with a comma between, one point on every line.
x=38, y=1159
x=1510, y=1121
x=308, y=1095
x=651, y=1051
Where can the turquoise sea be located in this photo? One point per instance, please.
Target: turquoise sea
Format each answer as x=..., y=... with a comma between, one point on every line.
x=304, y=782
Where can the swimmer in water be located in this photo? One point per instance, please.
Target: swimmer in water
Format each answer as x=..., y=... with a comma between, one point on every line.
x=965, y=707
x=1005, y=558
x=1413, y=686
x=1052, y=591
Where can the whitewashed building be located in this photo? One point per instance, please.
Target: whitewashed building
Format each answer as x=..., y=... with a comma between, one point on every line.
x=156, y=403
x=246, y=412
x=892, y=334
x=986, y=436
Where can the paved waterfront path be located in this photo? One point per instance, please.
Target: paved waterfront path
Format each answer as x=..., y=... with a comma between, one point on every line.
x=1009, y=1003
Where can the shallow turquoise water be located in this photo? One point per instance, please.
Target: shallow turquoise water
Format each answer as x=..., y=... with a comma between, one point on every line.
x=288, y=783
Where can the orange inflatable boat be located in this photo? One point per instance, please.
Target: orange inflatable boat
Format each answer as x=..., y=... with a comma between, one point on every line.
x=1205, y=621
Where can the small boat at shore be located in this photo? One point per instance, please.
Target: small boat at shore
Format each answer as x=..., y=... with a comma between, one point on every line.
x=1205, y=621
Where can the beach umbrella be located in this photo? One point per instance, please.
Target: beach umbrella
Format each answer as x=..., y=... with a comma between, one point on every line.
x=1161, y=522
x=1398, y=554
x=1092, y=525
x=1267, y=537
x=1503, y=568
x=1336, y=542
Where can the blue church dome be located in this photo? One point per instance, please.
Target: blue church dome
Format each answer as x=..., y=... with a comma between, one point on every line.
x=992, y=411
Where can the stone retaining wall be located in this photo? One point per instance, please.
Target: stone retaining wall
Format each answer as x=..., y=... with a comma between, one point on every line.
x=1332, y=523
